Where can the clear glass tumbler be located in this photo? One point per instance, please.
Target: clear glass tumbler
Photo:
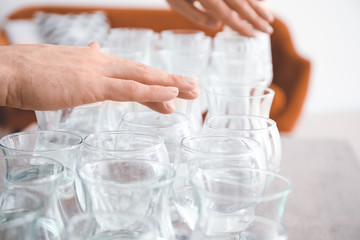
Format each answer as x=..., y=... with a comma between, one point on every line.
x=59, y=145
x=198, y=150
x=130, y=43
x=134, y=186
x=226, y=99
x=230, y=198
x=170, y=127
x=42, y=176
x=244, y=55
x=261, y=129
x=187, y=52
x=19, y=211
x=82, y=120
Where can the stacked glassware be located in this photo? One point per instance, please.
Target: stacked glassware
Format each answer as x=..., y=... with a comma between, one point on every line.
x=111, y=170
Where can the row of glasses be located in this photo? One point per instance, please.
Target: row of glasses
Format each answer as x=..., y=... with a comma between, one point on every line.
x=180, y=177
x=180, y=51
x=115, y=177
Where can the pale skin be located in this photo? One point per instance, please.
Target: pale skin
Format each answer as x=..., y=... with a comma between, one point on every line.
x=243, y=16
x=51, y=77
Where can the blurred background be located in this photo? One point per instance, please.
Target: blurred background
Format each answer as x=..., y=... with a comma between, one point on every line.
x=324, y=32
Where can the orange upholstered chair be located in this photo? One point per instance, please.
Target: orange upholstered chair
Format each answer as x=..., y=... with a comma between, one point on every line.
x=291, y=71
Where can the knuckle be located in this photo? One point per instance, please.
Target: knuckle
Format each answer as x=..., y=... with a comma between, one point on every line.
x=132, y=89
x=142, y=69
x=174, y=79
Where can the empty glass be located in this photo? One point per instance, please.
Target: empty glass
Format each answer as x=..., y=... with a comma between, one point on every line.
x=186, y=52
x=225, y=99
x=42, y=176
x=109, y=225
x=180, y=38
x=59, y=145
x=263, y=130
x=82, y=120
x=242, y=55
x=229, y=198
x=221, y=151
x=170, y=127
x=19, y=211
x=130, y=43
x=125, y=144
x=134, y=186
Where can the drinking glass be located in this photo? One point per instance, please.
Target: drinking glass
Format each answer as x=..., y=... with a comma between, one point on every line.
x=82, y=120
x=42, y=176
x=59, y=145
x=175, y=38
x=222, y=151
x=19, y=211
x=128, y=144
x=109, y=225
x=243, y=55
x=130, y=43
x=263, y=130
x=230, y=198
x=135, y=186
x=170, y=127
x=226, y=99
x=187, y=52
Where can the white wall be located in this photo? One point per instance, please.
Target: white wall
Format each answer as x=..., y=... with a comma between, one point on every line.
x=327, y=32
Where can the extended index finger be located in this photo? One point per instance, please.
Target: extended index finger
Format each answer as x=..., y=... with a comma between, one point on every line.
x=126, y=69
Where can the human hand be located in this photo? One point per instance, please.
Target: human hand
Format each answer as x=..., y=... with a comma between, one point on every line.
x=50, y=77
x=214, y=12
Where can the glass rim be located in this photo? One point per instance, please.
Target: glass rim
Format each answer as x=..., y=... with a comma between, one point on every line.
x=268, y=92
x=159, y=141
x=149, y=182
x=58, y=175
x=28, y=216
x=237, y=116
x=184, y=144
x=39, y=132
x=265, y=197
x=174, y=115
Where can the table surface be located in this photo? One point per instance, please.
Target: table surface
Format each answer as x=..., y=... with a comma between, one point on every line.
x=325, y=200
